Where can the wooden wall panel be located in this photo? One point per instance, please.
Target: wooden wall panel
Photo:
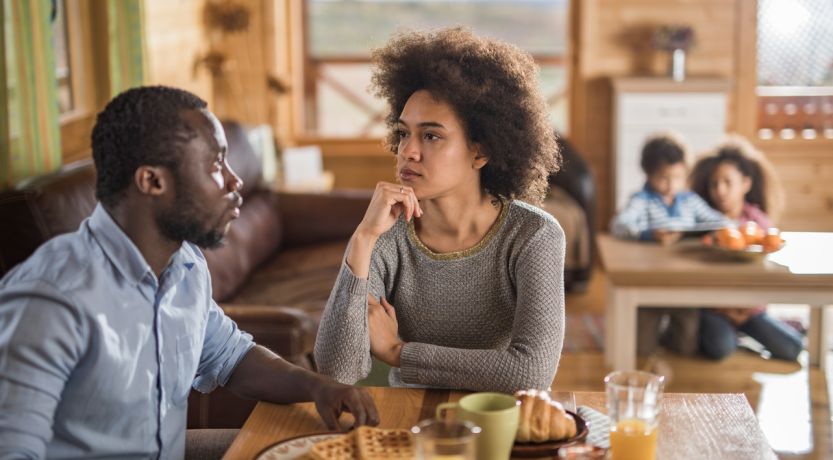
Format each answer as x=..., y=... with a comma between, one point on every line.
x=806, y=173
x=175, y=39
x=360, y=171
x=240, y=92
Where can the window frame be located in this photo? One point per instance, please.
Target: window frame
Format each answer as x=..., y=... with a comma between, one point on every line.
x=86, y=43
x=750, y=97
x=292, y=111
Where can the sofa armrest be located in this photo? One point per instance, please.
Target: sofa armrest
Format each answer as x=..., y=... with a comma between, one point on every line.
x=287, y=331
x=314, y=217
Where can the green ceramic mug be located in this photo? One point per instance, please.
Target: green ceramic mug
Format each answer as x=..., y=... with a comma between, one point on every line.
x=496, y=414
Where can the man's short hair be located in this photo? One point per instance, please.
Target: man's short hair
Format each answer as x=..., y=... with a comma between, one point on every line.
x=141, y=126
x=663, y=150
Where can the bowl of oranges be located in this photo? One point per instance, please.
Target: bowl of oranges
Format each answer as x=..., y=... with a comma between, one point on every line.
x=750, y=241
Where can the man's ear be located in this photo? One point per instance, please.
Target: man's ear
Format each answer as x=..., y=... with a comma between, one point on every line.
x=480, y=159
x=152, y=180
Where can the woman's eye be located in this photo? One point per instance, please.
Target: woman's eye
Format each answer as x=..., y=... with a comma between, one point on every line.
x=401, y=133
x=430, y=136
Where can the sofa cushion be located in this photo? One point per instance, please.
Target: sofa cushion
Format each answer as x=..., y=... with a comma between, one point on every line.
x=302, y=277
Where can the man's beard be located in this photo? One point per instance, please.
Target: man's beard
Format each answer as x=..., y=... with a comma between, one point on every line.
x=182, y=222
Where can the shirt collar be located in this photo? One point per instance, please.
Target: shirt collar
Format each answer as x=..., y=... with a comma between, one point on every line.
x=121, y=250
x=653, y=193
x=673, y=208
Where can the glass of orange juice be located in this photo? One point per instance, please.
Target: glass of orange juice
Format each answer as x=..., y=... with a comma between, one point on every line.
x=633, y=406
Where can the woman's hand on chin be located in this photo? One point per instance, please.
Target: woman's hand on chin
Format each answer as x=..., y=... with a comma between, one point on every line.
x=384, y=331
x=389, y=201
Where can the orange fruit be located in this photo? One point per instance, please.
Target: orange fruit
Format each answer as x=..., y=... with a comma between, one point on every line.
x=772, y=241
x=730, y=238
x=752, y=232
x=736, y=242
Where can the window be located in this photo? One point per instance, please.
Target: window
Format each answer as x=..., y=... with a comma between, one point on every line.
x=79, y=38
x=63, y=67
x=339, y=35
x=795, y=69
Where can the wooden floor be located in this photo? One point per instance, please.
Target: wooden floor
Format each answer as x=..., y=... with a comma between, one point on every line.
x=792, y=402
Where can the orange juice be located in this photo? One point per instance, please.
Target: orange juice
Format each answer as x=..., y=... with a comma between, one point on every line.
x=633, y=440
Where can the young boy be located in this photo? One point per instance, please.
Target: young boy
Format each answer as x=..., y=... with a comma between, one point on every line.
x=663, y=207
x=658, y=212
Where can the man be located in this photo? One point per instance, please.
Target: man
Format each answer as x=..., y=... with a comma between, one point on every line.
x=103, y=332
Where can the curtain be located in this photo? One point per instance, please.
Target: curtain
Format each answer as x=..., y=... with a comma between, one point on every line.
x=126, y=46
x=30, y=141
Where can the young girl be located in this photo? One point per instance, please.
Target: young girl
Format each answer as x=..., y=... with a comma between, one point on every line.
x=450, y=278
x=738, y=181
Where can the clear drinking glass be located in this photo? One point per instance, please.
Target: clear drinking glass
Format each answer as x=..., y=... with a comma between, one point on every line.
x=566, y=398
x=633, y=399
x=445, y=440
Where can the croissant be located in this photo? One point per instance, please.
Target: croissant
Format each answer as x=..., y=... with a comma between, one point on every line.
x=543, y=419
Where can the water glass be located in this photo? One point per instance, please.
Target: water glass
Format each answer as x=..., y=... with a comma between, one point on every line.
x=445, y=440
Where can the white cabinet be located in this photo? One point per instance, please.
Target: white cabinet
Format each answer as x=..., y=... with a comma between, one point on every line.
x=694, y=108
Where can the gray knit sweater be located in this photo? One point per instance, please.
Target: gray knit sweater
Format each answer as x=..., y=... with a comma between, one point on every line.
x=490, y=318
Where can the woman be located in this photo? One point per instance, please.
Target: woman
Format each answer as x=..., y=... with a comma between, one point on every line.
x=738, y=181
x=450, y=278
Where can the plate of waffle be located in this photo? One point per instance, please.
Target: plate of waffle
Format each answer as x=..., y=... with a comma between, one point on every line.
x=365, y=443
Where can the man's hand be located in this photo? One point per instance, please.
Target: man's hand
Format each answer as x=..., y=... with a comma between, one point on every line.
x=265, y=376
x=384, y=331
x=332, y=399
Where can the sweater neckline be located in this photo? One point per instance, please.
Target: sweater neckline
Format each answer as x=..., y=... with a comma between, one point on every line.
x=504, y=211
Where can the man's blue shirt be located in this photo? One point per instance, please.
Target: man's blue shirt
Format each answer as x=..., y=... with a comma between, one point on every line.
x=97, y=355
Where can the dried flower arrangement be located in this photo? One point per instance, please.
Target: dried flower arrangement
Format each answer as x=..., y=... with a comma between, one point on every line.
x=226, y=15
x=673, y=37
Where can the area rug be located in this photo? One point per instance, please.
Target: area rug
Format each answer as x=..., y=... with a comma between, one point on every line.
x=585, y=331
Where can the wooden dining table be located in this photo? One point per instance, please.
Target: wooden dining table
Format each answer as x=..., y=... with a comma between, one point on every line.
x=691, y=426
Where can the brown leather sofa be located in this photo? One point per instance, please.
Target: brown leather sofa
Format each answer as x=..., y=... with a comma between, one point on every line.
x=272, y=277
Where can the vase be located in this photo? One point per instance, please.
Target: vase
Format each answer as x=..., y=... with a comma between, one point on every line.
x=678, y=64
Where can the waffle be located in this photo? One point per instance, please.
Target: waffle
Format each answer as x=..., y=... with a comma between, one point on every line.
x=365, y=443
x=381, y=444
x=340, y=448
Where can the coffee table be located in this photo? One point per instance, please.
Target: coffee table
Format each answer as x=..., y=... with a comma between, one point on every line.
x=687, y=275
